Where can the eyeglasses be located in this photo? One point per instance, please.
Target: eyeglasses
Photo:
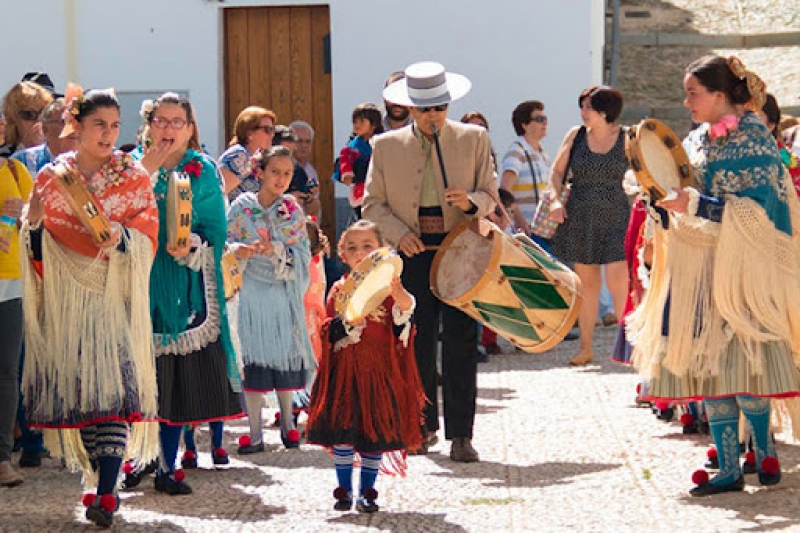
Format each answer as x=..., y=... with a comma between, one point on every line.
x=265, y=129
x=426, y=109
x=28, y=115
x=539, y=119
x=162, y=123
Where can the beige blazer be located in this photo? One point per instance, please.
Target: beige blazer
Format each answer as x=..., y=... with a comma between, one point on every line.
x=394, y=178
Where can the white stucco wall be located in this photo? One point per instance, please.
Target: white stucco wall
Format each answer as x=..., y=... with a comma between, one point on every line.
x=512, y=50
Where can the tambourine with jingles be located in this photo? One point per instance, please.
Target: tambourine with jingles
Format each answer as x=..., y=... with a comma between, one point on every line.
x=179, y=210
x=657, y=158
x=83, y=203
x=231, y=274
x=368, y=285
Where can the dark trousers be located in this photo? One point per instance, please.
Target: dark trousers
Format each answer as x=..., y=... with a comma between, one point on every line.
x=459, y=351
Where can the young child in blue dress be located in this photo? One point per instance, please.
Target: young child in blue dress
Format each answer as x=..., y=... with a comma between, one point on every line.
x=267, y=231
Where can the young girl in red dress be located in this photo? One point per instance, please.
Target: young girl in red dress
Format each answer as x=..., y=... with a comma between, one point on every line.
x=367, y=397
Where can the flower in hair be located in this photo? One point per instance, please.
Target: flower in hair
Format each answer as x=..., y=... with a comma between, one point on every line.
x=147, y=109
x=73, y=97
x=737, y=67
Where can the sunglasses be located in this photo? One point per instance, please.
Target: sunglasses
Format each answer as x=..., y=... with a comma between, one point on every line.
x=265, y=129
x=427, y=109
x=29, y=115
x=539, y=119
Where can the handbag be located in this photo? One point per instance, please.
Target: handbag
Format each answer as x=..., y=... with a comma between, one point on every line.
x=541, y=225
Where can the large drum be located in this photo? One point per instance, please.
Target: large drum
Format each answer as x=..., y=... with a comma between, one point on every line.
x=658, y=159
x=507, y=283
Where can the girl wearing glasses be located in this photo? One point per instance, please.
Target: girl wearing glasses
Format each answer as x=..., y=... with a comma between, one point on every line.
x=198, y=379
x=253, y=131
x=22, y=107
x=89, y=370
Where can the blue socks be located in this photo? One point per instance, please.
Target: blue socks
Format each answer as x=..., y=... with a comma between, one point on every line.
x=217, y=429
x=170, y=440
x=370, y=465
x=757, y=412
x=723, y=420
x=343, y=460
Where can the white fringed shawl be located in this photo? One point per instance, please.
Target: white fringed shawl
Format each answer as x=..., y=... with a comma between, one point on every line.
x=82, y=321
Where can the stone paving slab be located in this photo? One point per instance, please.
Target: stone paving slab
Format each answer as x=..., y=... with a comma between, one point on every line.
x=563, y=449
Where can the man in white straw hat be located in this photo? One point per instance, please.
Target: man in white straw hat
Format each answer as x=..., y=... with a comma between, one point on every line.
x=416, y=193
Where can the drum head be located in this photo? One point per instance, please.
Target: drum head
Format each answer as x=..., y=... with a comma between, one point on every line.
x=660, y=162
x=462, y=265
x=368, y=284
x=658, y=159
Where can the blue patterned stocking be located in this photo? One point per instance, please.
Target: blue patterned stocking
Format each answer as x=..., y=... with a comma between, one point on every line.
x=343, y=460
x=757, y=411
x=723, y=419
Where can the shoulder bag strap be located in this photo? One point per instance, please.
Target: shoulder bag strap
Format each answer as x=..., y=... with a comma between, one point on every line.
x=534, y=174
x=578, y=136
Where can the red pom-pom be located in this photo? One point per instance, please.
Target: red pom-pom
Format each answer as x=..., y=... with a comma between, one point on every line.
x=180, y=475
x=245, y=441
x=700, y=477
x=662, y=405
x=293, y=435
x=278, y=416
x=639, y=388
x=370, y=494
x=135, y=417
x=88, y=499
x=770, y=465
x=108, y=502
x=189, y=454
x=340, y=493
x=687, y=419
x=711, y=453
x=220, y=452
x=750, y=457
x=127, y=468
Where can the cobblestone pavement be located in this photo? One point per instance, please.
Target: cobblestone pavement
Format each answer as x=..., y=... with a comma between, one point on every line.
x=562, y=449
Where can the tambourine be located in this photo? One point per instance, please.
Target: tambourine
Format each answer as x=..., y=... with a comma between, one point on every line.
x=179, y=210
x=83, y=203
x=657, y=158
x=231, y=274
x=368, y=285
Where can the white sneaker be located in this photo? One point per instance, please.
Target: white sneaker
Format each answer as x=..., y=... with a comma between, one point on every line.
x=8, y=476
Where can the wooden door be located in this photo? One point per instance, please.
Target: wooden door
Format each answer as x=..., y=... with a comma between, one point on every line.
x=279, y=58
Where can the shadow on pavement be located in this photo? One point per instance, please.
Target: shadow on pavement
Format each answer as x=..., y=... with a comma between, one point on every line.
x=400, y=522
x=494, y=474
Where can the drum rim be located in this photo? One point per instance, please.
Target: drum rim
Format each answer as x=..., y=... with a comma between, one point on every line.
x=633, y=150
x=350, y=286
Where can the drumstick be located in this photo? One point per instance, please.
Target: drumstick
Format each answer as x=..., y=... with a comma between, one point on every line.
x=439, y=155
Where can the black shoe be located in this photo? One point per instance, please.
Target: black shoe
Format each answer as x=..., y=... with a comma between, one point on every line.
x=168, y=485
x=291, y=440
x=220, y=457
x=30, y=459
x=769, y=479
x=707, y=489
x=366, y=503
x=189, y=460
x=134, y=478
x=344, y=499
x=100, y=517
x=252, y=448
x=749, y=468
x=712, y=464
x=666, y=414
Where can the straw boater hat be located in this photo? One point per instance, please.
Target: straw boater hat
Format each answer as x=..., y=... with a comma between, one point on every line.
x=427, y=84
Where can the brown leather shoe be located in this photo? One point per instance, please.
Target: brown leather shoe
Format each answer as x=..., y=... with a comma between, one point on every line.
x=463, y=452
x=429, y=440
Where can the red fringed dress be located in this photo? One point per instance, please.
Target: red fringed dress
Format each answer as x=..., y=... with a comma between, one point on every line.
x=367, y=392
